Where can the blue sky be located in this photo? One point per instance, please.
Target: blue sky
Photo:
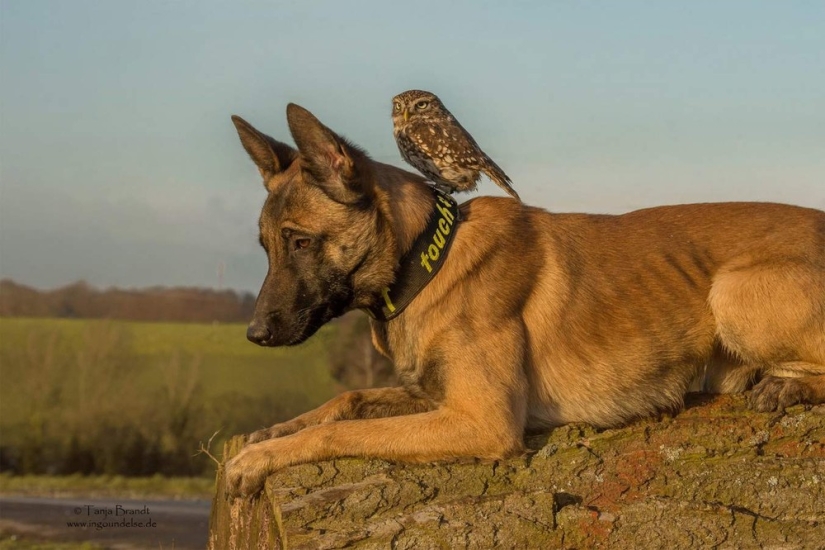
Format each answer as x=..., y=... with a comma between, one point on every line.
x=119, y=164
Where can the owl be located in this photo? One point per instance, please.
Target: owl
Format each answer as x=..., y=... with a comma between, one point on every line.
x=433, y=142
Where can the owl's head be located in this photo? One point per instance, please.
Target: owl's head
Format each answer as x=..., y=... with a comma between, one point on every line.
x=415, y=104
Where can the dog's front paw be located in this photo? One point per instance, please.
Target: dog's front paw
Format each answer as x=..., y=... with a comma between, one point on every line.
x=775, y=394
x=267, y=433
x=245, y=474
x=278, y=430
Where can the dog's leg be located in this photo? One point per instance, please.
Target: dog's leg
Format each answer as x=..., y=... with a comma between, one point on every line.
x=771, y=316
x=726, y=373
x=369, y=403
x=435, y=435
x=482, y=413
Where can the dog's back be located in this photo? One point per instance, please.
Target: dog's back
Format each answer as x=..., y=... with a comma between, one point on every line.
x=623, y=312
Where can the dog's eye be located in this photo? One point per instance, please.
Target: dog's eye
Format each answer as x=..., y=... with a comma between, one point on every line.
x=296, y=242
x=422, y=104
x=301, y=243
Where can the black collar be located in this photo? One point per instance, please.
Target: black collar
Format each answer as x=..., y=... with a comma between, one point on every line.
x=422, y=262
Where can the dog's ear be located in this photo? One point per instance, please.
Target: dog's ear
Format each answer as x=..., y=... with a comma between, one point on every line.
x=332, y=161
x=270, y=156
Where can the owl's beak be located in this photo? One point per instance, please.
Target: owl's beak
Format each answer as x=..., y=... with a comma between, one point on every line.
x=406, y=115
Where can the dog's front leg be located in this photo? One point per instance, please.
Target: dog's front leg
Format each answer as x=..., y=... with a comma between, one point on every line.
x=369, y=403
x=435, y=435
x=482, y=413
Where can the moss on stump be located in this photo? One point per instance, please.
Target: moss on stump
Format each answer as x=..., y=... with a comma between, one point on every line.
x=715, y=475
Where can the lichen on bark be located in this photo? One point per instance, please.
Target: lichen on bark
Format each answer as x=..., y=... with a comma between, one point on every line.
x=715, y=475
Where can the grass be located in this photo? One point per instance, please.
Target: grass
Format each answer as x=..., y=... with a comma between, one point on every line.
x=117, y=393
x=14, y=541
x=228, y=362
x=154, y=487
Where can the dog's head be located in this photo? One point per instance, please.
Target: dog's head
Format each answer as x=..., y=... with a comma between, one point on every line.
x=327, y=244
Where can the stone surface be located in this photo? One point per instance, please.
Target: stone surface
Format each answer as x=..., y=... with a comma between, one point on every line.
x=715, y=476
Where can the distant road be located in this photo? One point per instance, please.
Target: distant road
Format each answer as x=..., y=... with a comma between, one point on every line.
x=115, y=523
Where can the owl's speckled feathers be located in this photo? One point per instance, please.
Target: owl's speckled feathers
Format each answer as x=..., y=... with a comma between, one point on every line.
x=433, y=142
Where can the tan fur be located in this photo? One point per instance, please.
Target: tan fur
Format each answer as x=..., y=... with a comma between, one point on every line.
x=540, y=319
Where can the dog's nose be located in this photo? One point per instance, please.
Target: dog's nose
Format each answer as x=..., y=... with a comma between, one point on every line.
x=258, y=332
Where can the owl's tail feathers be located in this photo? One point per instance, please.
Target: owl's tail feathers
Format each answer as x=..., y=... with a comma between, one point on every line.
x=501, y=179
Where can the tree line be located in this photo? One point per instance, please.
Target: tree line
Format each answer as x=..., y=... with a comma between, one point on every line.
x=82, y=301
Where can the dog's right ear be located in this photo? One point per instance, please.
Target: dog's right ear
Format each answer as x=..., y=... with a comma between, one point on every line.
x=270, y=156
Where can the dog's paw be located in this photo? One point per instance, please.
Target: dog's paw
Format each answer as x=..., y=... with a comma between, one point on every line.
x=260, y=435
x=278, y=430
x=775, y=394
x=267, y=433
x=245, y=474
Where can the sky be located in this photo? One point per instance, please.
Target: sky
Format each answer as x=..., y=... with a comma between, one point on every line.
x=119, y=164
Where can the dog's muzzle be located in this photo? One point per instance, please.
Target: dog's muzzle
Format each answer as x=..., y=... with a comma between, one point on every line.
x=258, y=332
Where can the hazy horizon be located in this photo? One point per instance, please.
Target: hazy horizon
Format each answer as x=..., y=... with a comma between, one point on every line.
x=119, y=164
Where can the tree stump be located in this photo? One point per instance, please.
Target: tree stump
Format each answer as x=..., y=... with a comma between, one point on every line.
x=716, y=475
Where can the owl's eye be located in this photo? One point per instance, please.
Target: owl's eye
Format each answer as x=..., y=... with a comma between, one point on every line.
x=422, y=105
x=397, y=106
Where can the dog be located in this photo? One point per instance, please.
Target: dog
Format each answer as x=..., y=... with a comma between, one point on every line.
x=533, y=321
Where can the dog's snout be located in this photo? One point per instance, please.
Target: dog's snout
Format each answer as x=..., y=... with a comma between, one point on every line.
x=258, y=332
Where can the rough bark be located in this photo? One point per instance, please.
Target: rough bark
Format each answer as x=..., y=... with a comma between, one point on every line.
x=715, y=476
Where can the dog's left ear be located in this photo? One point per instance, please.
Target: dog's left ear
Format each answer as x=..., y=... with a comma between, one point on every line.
x=330, y=159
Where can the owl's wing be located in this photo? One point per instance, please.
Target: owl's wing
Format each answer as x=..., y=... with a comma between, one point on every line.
x=448, y=135
x=471, y=156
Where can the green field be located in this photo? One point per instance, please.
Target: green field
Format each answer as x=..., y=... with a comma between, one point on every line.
x=107, y=396
x=14, y=541
x=152, y=487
